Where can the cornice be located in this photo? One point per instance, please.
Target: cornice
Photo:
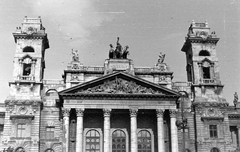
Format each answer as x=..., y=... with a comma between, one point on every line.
x=210, y=104
x=10, y=102
x=100, y=96
x=234, y=116
x=201, y=40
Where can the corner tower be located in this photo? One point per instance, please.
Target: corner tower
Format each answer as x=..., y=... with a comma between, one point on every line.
x=202, y=63
x=22, y=119
x=211, y=121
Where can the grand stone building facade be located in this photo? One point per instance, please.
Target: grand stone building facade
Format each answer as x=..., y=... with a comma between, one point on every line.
x=117, y=107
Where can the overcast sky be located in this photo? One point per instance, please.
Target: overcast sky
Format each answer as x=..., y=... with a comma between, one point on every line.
x=146, y=26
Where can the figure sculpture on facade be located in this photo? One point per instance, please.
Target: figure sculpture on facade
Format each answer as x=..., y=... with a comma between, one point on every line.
x=112, y=54
x=235, y=100
x=75, y=56
x=125, y=52
x=161, y=57
x=118, y=49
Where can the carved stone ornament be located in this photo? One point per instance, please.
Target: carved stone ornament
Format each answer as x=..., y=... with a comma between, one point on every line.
x=160, y=113
x=66, y=112
x=74, y=77
x=133, y=112
x=22, y=110
x=173, y=113
x=162, y=79
x=119, y=86
x=106, y=112
x=79, y=112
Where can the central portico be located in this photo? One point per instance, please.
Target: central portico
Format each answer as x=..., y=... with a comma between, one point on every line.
x=119, y=112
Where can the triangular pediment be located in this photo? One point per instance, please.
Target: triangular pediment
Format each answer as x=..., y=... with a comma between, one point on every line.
x=119, y=83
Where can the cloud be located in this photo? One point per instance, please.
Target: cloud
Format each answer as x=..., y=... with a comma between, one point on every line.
x=74, y=20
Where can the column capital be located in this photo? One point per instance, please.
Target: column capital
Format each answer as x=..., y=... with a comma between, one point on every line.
x=160, y=113
x=173, y=113
x=79, y=112
x=107, y=112
x=66, y=112
x=133, y=112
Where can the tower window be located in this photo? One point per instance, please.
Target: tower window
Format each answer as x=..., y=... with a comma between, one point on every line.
x=28, y=49
x=204, y=53
x=26, y=69
x=206, y=72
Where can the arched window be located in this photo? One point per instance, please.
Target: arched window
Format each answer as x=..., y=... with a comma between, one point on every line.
x=49, y=150
x=214, y=150
x=20, y=149
x=204, y=53
x=144, y=141
x=118, y=141
x=92, y=141
x=28, y=49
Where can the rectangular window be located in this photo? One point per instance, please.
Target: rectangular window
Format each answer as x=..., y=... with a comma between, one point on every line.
x=213, y=131
x=234, y=134
x=186, y=133
x=21, y=130
x=50, y=132
x=206, y=73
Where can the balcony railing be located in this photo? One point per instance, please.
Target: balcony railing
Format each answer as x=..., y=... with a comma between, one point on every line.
x=26, y=78
x=208, y=81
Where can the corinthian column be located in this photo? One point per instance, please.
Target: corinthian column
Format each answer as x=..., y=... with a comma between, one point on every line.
x=106, y=114
x=66, y=113
x=160, y=130
x=133, y=115
x=174, y=137
x=79, y=137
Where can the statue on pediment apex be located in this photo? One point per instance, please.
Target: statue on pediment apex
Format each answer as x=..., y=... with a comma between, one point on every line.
x=119, y=52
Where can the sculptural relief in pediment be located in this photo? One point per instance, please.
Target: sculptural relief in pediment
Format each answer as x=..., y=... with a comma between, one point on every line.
x=120, y=86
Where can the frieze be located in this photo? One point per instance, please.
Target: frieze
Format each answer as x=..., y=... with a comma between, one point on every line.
x=22, y=102
x=119, y=86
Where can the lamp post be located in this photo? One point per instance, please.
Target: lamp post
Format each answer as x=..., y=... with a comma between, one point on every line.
x=182, y=124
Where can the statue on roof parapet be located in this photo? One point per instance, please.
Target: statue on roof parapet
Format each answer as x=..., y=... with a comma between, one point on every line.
x=75, y=56
x=161, y=57
x=235, y=100
x=119, y=52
